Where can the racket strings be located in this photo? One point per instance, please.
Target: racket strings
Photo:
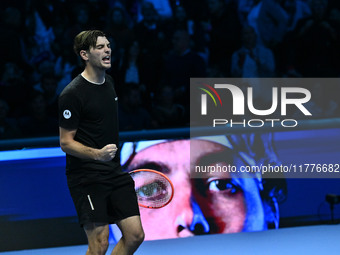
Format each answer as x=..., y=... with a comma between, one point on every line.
x=152, y=189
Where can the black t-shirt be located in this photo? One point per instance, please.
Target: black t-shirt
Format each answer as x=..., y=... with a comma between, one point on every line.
x=92, y=110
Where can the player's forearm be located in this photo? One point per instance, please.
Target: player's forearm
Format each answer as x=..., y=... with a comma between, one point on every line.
x=79, y=150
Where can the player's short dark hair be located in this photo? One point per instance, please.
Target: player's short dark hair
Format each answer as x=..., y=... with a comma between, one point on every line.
x=85, y=40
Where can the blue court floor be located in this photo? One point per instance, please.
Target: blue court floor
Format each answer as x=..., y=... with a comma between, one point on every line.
x=312, y=240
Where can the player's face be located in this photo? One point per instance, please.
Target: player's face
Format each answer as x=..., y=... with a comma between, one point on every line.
x=212, y=204
x=100, y=55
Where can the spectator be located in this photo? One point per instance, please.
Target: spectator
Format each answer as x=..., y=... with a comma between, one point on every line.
x=11, y=38
x=119, y=27
x=181, y=21
x=225, y=33
x=244, y=7
x=49, y=85
x=166, y=112
x=38, y=122
x=149, y=33
x=162, y=7
x=269, y=20
x=131, y=114
x=8, y=127
x=48, y=10
x=334, y=14
x=81, y=19
x=65, y=62
x=316, y=50
x=180, y=65
x=14, y=88
x=296, y=10
x=129, y=69
x=252, y=59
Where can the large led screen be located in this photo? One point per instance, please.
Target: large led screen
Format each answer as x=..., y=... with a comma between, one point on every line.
x=37, y=211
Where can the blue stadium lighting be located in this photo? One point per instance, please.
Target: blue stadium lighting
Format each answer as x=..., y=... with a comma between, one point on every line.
x=31, y=154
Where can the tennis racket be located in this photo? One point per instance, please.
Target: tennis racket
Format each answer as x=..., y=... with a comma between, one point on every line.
x=154, y=189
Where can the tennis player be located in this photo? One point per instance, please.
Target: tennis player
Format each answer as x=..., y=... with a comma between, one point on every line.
x=101, y=192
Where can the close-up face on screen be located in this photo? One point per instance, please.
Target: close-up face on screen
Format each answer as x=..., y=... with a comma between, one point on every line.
x=213, y=203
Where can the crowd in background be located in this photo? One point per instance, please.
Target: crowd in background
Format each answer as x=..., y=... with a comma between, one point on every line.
x=157, y=45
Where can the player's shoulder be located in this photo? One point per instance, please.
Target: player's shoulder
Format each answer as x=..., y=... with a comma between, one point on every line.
x=72, y=86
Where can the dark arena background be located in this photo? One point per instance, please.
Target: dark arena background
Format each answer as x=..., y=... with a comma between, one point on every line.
x=157, y=46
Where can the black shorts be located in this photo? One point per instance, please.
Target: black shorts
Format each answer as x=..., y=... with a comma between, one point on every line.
x=107, y=202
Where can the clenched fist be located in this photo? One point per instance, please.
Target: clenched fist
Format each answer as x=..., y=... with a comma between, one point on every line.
x=107, y=153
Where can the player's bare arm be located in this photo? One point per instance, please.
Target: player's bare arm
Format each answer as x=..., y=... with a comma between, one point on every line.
x=76, y=149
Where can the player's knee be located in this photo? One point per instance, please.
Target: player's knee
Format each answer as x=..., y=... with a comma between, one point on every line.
x=140, y=237
x=103, y=244
x=98, y=246
x=135, y=239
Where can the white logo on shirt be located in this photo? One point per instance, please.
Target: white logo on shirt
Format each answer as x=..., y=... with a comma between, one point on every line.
x=67, y=114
